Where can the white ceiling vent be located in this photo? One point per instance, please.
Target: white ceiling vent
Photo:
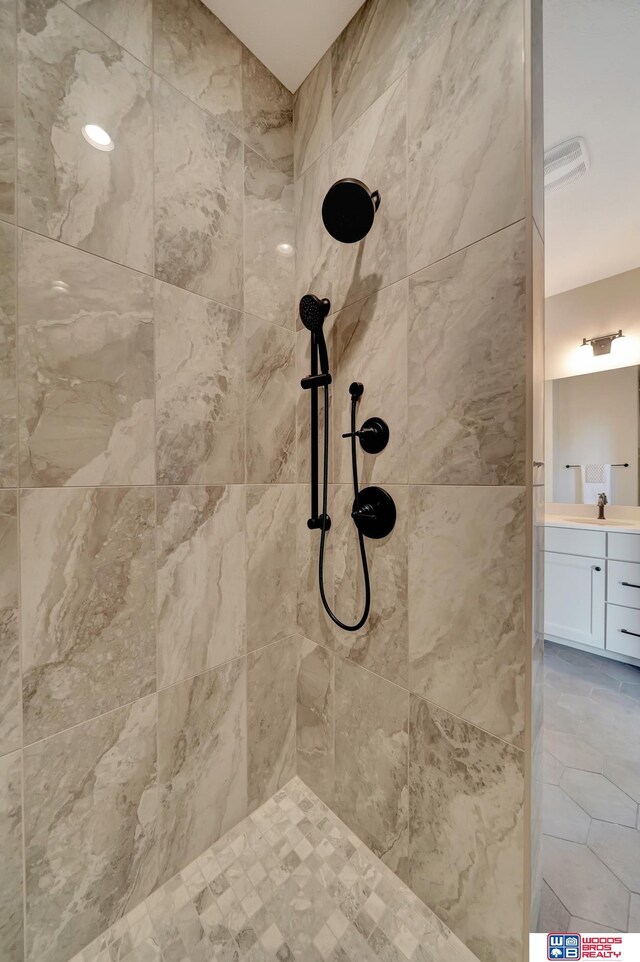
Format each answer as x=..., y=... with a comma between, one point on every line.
x=565, y=163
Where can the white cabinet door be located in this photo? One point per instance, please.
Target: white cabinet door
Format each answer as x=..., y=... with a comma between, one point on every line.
x=574, y=591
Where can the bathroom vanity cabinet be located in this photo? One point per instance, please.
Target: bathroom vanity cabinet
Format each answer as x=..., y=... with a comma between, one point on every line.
x=592, y=589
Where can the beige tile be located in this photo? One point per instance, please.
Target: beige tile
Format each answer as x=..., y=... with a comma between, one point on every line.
x=8, y=386
x=202, y=758
x=271, y=719
x=555, y=917
x=7, y=109
x=196, y=53
x=467, y=371
x=466, y=603
x=466, y=849
x=270, y=414
x=382, y=645
x=11, y=914
x=10, y=695
x=428, y=19
x=315, y=250
x=371, y=791
x=268, y=113
x=370, y=345
x=88, y=620
x=200, y=579
x=562, y=817
x=315, y=719
x=198, y=199
x=465, y=128
x=271, y=569
x=374, y=151
x=129, y=24
x=269, y=270
x=313, y=621
x=312, y=115
x=199, y=389
x=369, y=54
x=91, y=808
x=70, y=74
x=85, y=330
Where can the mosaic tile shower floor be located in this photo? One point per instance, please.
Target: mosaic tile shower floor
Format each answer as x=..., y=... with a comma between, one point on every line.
x=291, y=883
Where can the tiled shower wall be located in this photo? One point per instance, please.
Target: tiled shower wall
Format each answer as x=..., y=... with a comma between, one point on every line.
x=417, y=729
x=148, y=455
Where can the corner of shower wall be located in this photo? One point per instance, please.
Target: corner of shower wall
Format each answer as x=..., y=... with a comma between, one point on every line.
x=419, y=731
x=147, y=532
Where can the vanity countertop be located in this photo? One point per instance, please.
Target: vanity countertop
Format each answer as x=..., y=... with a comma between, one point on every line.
x=610, y=524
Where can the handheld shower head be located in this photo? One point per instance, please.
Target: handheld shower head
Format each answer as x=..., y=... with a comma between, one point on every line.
x=312, y=314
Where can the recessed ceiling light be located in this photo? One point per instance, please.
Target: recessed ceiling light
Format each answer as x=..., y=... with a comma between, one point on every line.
x=285, y=249
x=60, y=287
x=97, y=137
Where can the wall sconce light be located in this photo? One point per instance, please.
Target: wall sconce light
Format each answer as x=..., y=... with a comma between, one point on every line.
x=601, y=345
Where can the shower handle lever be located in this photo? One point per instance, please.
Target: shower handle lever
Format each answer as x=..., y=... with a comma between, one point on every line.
x=373, y=435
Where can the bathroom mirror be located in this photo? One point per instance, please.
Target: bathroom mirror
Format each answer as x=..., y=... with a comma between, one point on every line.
x=593, y=420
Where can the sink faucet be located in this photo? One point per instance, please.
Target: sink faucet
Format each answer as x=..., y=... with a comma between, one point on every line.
x=602, y=500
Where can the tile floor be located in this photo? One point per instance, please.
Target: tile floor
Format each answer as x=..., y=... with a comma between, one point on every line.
x=291, y=882
x=591, y=793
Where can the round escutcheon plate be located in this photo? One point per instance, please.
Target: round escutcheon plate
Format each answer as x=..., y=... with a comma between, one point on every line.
x=374, y=512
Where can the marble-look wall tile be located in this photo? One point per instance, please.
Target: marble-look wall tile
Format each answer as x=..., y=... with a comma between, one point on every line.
x=270, y=413
x=201, y=579
x=312, y=115
x=269, y=273
x=466, y=847
x=7, y=109
x=10, y=704
x=199, y=389
x=268, y=113
x=11, y=913
x=85, y=329
x=315, y=250
x=374, y=150
x=69, y=74
x=371, y=745
x=91, y=811
x=382, y=645
x=466, y=603
x=465, y=128
x=370, y=345
x=8, y=387
x=202, y=762
x=428, y=19
x=315, y=722
x=369, y=54
x=196, y=53
x=129, y=24
x=271, y=568
x=198, y=199
x=271, y=719
x=88, y=618
x=270, y=410
x=467, y=365
x=313, y=621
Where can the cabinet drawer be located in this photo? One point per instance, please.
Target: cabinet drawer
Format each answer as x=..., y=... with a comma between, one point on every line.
x=623, y=583
x=620, y=621
x=575, y=541
x=624, y=547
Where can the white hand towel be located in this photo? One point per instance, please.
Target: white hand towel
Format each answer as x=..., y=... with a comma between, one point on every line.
x=596, y=478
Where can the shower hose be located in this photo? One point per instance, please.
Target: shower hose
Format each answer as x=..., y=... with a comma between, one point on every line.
x=323, y=535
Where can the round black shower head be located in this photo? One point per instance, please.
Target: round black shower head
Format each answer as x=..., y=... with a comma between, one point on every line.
x=348, y=210
x=313, y=312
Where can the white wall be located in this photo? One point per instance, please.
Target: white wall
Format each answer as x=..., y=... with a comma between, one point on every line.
x=589, y=311
x=595, y=421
